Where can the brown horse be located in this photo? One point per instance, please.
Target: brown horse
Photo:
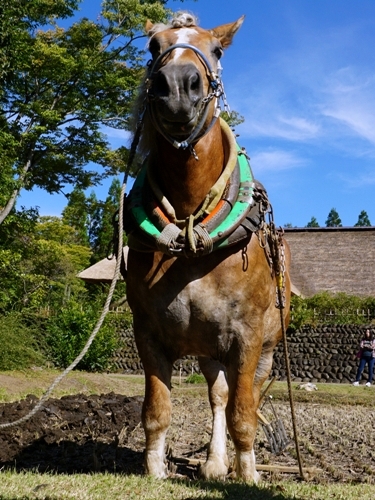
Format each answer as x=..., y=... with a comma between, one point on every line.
x=191, y=291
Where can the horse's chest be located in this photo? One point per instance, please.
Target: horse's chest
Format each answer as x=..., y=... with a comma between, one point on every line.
x=187, y=296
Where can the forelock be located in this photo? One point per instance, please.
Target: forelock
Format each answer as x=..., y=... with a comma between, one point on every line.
x=184, y=20
x=181, y=19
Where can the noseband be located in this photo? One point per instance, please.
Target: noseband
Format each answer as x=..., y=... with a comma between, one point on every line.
x=215, y=84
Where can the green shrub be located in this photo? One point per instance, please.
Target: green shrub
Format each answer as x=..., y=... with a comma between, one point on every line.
x=195, y=378
x=68, y=332
x=19, y=347
x=300, y=313
x=331, y=309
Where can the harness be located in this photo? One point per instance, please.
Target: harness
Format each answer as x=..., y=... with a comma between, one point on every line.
x=223, y=220
x=235, y=207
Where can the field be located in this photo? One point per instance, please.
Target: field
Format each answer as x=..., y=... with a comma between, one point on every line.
x=87, y=442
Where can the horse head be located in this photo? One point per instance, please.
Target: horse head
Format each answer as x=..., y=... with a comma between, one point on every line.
x=183, y=81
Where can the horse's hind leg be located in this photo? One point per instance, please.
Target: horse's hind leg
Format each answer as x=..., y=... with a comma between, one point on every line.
x=217, y=463
x=156, y=411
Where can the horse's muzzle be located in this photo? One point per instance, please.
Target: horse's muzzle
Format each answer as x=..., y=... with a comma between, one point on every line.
x=177, y=91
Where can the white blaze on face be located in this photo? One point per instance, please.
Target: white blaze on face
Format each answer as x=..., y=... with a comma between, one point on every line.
x=183, y=36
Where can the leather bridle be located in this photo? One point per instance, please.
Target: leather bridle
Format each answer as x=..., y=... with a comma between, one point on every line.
x=217, y=90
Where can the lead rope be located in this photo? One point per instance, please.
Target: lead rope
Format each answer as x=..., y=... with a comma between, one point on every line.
x=119, y=257
x=279, y=264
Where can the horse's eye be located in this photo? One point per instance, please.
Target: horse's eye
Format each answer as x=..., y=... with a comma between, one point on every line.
x=154, y=48
x=218, y=52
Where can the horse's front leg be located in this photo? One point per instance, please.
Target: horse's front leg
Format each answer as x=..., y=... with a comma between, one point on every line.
x=156, y=411
x=216, y=466
x=241, y=415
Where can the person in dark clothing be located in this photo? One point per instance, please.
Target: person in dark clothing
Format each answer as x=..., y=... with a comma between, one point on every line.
x=366, y=356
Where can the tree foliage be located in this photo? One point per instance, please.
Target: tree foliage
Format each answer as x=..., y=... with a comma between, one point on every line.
x=233, y=118
x=39, y=260
x=103, y=233
x=333, y=219
x=68, y=331
x=76, y=215
x=313, y=223
x=19, y=344
x=61, y=86
x=363, y=220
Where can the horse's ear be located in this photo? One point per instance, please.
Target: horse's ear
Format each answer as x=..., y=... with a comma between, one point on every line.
x=226, y=32
x=148, y=26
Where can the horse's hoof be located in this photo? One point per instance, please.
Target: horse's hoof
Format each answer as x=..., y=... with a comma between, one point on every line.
x=249, y=478
x=213, y=469
x=156, y=469
x=245, y=467
x=157, y=474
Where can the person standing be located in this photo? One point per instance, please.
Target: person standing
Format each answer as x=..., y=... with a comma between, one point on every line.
x=367, y=356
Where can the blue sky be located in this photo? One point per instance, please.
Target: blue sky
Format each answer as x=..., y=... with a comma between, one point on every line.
x=302, y=74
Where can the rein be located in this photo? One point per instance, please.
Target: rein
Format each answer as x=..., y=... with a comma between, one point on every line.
x=215, y=83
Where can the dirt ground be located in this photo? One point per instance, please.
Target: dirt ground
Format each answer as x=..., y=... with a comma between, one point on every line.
x=90, y=433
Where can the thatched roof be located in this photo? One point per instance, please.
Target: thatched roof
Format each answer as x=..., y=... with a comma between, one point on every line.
x=103, y=271
x=339, y=259
x=334, y=259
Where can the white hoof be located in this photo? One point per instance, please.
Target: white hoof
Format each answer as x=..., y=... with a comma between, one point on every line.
x=155, y=466
x=213, y=469
x=245, y=467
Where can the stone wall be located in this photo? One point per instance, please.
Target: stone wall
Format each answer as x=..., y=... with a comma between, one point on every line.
x=126, y=359
x=322, y=354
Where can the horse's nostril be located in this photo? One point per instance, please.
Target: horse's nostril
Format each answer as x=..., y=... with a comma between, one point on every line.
x=161, y=86
x=195, y=82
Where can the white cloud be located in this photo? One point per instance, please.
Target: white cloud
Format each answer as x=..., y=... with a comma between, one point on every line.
x=350, y=100
x=290, y=128
x=356, y=181
x=275, y=161
x=320, y=92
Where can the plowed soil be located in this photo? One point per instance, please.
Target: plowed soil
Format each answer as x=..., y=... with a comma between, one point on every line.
x=91, y=433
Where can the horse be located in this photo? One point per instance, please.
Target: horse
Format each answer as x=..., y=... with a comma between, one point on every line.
x=201, y=273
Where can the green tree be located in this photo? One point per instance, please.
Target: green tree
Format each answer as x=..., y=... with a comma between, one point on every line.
x=333, y=219
x=363, y=220
x=313, y=223
x=39, y=263
x=104, y=227
x=68, y=331
x=17, y=19
x=59, y=87
x=233, y=118
x=75, y=215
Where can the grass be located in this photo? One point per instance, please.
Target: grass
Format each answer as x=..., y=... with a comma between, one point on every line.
x=333, y=415
x=32, y=485
x=16, y=385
